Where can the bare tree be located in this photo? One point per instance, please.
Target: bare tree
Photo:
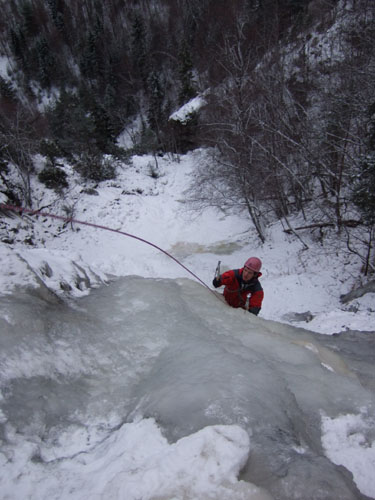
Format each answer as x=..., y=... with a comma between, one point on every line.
x=230, y=126
x=255, y=126
x=19, y=144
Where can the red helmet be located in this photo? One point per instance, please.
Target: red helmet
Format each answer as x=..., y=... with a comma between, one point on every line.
x=254, y=264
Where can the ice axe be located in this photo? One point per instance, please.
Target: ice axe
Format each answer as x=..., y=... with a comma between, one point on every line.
x=217, y=272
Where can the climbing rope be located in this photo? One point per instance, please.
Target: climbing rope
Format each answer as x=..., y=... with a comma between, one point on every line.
x=29, y=211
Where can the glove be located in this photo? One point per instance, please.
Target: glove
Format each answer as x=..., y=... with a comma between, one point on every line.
x=216, y=282
x=254, y=310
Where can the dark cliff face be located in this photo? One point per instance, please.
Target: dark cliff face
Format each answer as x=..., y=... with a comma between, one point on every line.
x=122, y=55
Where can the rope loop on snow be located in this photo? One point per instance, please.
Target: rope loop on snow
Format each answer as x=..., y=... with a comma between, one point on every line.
x=29, y=211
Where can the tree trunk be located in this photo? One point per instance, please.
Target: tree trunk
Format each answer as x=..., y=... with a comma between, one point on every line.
x=256, y=221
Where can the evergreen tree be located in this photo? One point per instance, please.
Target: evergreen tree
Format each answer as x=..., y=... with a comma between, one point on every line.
x=103, y=133
x=156, y=98
x=185, y=71
x=30, y=22
x=6, y=90
x=139, y=48
x=46, y=62
x=89, y=60
x=18, y=43
x=71, y=126
x=56, y=8
x=109, y=97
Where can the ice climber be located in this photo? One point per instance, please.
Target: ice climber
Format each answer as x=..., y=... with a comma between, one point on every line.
x=242, y=287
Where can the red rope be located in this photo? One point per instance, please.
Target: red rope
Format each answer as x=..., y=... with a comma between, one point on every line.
x=105, y=228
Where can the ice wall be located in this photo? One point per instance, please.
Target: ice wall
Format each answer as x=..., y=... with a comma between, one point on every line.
x=169, y=350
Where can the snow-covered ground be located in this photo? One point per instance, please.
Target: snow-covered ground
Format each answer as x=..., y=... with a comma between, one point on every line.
x=147, y=200
x=152, y=207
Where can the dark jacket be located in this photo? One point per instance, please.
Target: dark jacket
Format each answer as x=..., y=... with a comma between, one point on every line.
x=236, y=290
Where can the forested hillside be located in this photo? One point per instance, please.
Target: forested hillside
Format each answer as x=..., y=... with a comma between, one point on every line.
x=288, y=86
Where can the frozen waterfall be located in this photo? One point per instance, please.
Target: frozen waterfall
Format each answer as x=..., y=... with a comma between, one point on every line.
x=154, y=388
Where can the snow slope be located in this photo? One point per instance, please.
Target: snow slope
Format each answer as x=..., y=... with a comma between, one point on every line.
x=69, y=259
